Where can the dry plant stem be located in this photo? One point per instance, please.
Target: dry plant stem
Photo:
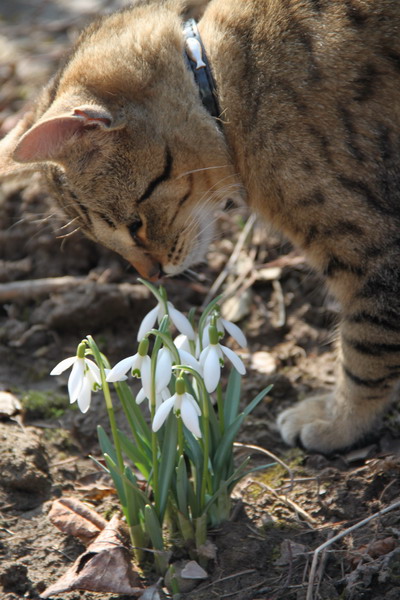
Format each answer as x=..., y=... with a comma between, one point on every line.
x=338, y=537
x=232, y=260
x=297, y=509
x=270, y=455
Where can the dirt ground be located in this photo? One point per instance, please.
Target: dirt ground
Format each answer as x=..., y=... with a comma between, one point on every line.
x=266, y=550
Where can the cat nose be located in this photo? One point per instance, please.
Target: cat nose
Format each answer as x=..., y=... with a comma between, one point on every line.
x=156, y=273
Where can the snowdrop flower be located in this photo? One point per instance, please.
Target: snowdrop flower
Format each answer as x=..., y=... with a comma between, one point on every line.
x=181, y=322
x=138, y=363
x=162, y=378
x=83, y=380
x=212, y=358
x=223, y=325
x=184, y=405
x=181, y=343
x=162, y=395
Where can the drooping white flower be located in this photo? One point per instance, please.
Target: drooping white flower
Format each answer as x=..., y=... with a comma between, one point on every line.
x=184, y=405
x=212, y=358
x=163, y=374
x=181, y=322
x=138, y=363
x=223, y=325
x=83, y=380
x=162, y=395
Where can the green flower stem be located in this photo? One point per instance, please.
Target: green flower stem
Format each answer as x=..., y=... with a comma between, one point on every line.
x=220, y=404
x=180, y=438
x=167, y=342
x=205, y=415
x=107, y=397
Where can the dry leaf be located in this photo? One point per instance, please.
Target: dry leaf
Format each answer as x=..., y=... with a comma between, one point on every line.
x=373, y=550
x=105, y=567
x=95, y=486
x=76, y=518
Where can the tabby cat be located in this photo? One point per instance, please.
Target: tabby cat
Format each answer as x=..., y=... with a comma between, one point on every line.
x=308, y=136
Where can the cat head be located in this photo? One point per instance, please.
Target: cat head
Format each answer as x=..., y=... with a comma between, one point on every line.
x=128, y=149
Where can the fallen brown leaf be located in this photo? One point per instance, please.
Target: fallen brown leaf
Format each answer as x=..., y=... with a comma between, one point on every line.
x=75, y=518
x=105, y=567
x=373, y=550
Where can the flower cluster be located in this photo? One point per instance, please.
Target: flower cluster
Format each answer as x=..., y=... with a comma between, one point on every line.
x=185, y=452
x=201, y=352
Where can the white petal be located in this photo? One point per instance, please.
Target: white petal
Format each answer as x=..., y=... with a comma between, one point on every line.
x=147, y=323
x=75, y=380
x=190, y=416
x=212, y=369
x=141, y=395
x=94, y=370
x=120, y=369
x=189, y=359
x=145, y=373
x=206, y=337
x=203, y=356
x=63, y=365
x=190, y=398
x=182, y=343
x=163, y=369
x=163, y=412
x=235, y=360
x=181, y=322
x=108, y=371
x=161, y=396
x=85, y=395
x=235, y=332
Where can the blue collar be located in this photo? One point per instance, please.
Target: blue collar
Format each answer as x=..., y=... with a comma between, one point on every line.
x=197, y=62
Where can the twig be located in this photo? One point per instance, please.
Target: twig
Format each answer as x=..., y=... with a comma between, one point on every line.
x=232, y=259
x=270, y=455
x=222, y=579
x=300, y=511
x=339, y=536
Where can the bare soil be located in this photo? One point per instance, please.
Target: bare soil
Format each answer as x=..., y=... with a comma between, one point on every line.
x=265, y=551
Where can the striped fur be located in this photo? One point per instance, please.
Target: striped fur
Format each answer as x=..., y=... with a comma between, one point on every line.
x=309, y=93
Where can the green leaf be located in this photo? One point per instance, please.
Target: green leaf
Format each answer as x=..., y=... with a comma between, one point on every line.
x=140, y=457
x=232, y=397
x=133, y=413
x=106, y=444
x=117, y=479
x=168, y=462
x=182, y=483
x=153, y=527
x=222, y=457
x=257, y=400
x=134, y=506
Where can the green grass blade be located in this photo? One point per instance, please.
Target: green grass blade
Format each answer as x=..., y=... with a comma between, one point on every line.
x=168, y=462
x=140, y=457
x=232, y=397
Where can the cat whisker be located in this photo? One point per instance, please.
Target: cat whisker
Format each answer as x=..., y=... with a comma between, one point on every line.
x=199, y=170
x=69, y=234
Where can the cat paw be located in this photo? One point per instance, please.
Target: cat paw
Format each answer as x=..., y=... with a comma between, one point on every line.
x=314, y=425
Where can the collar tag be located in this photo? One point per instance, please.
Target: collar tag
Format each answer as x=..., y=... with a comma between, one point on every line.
x=194, y=51
x=197, y=62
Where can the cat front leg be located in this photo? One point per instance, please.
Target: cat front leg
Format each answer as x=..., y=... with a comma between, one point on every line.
x=369, y=367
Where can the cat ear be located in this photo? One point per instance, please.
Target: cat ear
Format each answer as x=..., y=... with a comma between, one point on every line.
x=47, y=139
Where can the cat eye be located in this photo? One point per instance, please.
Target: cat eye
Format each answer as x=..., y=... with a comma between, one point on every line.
x=134, y=227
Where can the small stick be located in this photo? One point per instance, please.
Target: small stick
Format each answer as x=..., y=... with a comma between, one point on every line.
x=270, y=455
x=339, y=536
x=232, y=259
